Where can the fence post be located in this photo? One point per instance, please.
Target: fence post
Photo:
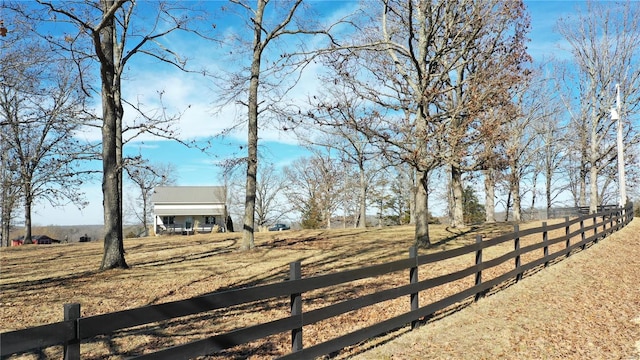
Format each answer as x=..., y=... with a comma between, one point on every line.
x=545, y=241
x=295, y=273
x=72, y=348
x=595, y=228
x=479, y=294
x=516, y=245
x=413, y=279
x=582, y=234
x=620, y=218
x=566, y=233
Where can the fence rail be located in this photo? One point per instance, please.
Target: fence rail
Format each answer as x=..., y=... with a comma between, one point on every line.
x=70, y=332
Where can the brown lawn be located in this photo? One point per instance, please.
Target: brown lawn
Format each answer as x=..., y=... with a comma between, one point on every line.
x=35, y=282
x=584, y=307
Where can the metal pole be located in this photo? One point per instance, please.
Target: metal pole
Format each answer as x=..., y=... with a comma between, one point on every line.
x=621, y=175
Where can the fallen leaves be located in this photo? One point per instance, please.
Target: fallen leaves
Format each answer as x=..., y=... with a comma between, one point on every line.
x=585, y=307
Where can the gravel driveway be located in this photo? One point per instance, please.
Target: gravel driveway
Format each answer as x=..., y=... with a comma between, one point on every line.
x=585, y=307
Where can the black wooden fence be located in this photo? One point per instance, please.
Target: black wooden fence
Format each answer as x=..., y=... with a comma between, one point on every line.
x=70, y=332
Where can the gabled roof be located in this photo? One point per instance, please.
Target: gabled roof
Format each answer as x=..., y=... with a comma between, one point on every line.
x=189, y=195
x=35, y=237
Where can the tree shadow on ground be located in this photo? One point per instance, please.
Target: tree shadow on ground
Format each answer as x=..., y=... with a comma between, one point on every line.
x=467, y=235
x=44, y=283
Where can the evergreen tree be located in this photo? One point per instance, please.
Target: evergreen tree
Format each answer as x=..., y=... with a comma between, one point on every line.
x=312, y=216
x=473, y=210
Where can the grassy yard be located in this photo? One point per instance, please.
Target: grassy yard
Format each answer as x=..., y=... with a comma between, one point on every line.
x=36, y=280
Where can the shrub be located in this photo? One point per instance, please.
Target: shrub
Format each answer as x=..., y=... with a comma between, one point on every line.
x=229, y=223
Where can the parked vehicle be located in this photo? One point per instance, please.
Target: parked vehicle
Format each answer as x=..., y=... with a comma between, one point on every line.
x=279, y=227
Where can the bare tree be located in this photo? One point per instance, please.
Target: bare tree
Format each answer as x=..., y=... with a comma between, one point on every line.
x=401, y=193
x=270, y=191
x=554, y=147
x=147, y=177
x=41, y=108
x=270, y=188
x=110, y=33
x=265, y=82
x=9, y=179
x=339, y=118
x=233, y=178
x=419, y=67
x=394, y=68
x=577, y=151
x=605, y=42
x=492, y=156
x=481, y=75
x=9, y=189
x=350, y=196
x=521, y=149
x=313, y=188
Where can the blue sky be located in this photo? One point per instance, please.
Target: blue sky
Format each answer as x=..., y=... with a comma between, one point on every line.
x=193, y=95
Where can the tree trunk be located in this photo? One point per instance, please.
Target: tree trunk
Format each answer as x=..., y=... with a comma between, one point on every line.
x=113, y=256
x=5, y=233
x=5, y=199
x=457, y=207
x=422, y=211
x=27, y=214
x=593, y=189
x=517, y=205
x=583, y=189
x=508, y=205
x=362, y=223
x=252, y=138
x=252, y=172
x=489, y=190
x=145, y=222
x=4, y=213
x=119, y=161
x=5, y=218
x=584, y=161
x=534, y=191
x=412, y=198
x=593, y=167
x=548, y=177
x=380, y=204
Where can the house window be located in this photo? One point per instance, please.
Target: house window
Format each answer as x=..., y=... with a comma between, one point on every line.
x=210, y=220
x=168, y=220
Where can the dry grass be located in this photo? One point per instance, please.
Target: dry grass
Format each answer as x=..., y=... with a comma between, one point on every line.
x=37, y=280
x=585, y=307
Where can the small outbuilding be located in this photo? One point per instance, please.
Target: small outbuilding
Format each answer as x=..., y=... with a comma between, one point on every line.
x=35, y=239
x=189, y=209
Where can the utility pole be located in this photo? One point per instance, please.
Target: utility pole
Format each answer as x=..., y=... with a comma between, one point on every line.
x=615, y=115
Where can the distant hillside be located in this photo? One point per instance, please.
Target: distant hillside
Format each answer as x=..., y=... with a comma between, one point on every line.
x=72, y=233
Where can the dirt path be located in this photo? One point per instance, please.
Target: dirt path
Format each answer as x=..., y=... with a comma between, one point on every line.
x=586, y=307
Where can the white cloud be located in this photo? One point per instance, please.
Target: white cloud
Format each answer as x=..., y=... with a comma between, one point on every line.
x=193, y=95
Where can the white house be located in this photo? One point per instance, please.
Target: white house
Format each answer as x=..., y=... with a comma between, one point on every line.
x=189, y=209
